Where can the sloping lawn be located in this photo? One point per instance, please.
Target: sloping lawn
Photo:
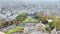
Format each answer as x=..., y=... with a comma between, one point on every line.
x=14, y=30
x=30, y=20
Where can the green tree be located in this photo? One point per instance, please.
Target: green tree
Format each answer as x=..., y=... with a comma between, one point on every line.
x=51, y=25
x=48, y=29
x=43, y=18
x=1, y=24
x=21, y=17
x=57, y=23
x=40, y=17
x=51, y=17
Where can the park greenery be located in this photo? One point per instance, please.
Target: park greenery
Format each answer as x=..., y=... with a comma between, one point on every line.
x=14, y=30
x=31, y=20
x=47, y=28
x=22, y=18
x=50, y=26
x=57, y=23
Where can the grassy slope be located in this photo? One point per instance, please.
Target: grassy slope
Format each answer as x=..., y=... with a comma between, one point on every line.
x=14, y=30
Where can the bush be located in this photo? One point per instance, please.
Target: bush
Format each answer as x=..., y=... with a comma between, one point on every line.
x=1, y=25
x=57, y=24
x=21, y=17
x=48, y=29
x=44, y=22
x=51, y=25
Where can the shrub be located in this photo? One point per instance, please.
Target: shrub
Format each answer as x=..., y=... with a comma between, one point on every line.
x=51, y=25
x=21, y=17
x=48, y=29
x=45, y=22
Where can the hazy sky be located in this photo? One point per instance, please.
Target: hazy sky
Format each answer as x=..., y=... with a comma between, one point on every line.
x=30, y=0
x=27, y=0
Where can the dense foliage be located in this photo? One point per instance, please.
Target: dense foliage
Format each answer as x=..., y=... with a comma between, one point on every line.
x=43, y=18
x=57, y=23
x=21, y=17
x=48, y=29
x=51, y=25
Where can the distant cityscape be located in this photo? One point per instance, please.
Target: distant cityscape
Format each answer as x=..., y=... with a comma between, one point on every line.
x=29, y=17
x=9, y=9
